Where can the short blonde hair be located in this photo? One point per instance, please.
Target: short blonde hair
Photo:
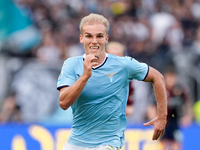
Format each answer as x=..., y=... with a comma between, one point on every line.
x=94, y=19
x=113, y=44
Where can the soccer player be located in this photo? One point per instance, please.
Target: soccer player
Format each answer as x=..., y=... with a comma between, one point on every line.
x=95, y=85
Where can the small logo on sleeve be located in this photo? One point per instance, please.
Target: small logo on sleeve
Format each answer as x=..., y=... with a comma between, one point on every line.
x=60, y=77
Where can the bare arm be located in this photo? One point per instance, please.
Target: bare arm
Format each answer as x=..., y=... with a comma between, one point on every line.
x=68, y=95
x=159, y=122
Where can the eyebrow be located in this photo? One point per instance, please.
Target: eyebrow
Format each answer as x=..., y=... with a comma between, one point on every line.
x=97, y=33
x=87, y=33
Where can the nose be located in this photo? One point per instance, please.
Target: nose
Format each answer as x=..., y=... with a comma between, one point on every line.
x=94, y=40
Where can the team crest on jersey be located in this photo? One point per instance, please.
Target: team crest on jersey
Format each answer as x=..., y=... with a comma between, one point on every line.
x=110, y=76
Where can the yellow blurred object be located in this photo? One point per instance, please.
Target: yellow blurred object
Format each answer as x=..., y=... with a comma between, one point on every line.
x=118, y=8
x=196, y=109
x=43, y=136
x=18, y=143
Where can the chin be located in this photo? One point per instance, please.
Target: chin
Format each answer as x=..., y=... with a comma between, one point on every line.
x=95, y=53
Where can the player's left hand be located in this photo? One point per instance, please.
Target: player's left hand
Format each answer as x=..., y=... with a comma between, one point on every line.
x=159, y=124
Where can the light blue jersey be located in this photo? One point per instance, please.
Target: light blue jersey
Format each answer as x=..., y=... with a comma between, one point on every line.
x=99, y=114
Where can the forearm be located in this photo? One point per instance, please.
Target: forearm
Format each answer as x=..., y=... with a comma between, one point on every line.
x=159, y=122
x=70, y=94
x=157, y=79
x=161, y=98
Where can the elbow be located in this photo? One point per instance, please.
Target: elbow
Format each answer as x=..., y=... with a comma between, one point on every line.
x=63, y=106
x=162, y=77
x=159, y=79
x=154, y=76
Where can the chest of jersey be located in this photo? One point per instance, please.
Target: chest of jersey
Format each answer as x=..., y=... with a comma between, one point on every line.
x=104, y=82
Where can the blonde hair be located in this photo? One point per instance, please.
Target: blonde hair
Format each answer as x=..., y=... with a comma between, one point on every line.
x=94, y=19
x=113, y=44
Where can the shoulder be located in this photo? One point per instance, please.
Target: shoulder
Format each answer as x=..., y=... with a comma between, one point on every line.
x=125, y=59
x=73, y=59
x=116, y=58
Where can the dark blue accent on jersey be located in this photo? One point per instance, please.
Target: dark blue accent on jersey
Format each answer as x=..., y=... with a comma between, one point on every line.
x=58, y=88
x=101, y=64
x=146, y=74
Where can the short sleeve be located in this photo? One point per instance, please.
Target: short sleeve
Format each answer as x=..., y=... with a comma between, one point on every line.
x=136, y=70
x=66, y=77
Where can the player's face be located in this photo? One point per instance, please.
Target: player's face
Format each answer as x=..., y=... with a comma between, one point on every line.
x=94, y=38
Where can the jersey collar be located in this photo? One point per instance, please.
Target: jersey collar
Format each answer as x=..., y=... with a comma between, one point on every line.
x=94, y=68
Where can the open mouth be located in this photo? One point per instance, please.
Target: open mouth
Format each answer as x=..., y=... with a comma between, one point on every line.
x=94, y=48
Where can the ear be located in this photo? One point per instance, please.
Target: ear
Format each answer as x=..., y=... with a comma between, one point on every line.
x=107, y=37
x=81, y=38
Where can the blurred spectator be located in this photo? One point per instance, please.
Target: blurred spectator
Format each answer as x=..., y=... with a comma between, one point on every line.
x=179, y=110
x=196, y=49
x=160, y=23
x=75, y=50
x=175, y=36
x=141, y=102
x=3, y=79
x=35, y=98
x=10, y=111
x=48, y=52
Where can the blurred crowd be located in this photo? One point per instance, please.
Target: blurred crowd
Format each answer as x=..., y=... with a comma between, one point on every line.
x=161, y=33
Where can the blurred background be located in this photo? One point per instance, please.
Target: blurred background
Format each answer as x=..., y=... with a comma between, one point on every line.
x=36, y=36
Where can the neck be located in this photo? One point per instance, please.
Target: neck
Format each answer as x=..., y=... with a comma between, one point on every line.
x=101, y=58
